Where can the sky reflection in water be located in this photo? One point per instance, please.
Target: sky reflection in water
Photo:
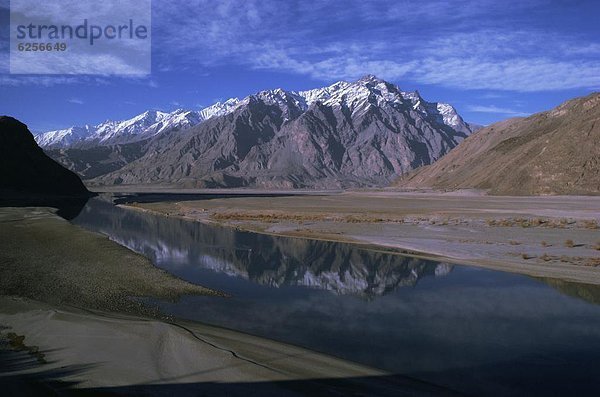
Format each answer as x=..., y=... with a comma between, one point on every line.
x=476, y=331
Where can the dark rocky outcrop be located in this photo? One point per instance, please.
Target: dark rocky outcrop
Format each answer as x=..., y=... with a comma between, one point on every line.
x=26, y=170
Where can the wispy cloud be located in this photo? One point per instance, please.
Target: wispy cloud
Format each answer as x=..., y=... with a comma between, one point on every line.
x=518, y=74
x=491, y=95
x=75, y=101
x=458, y=44
x=105, y=57
x=43, y=80
x=496, y=110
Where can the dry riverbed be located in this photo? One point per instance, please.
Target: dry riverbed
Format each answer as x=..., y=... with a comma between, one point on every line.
x=556, y=237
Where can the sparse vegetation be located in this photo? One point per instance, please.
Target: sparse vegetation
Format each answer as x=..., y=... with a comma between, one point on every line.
x=17, y=343
x=569, y=243
x=311, y=218
x=592, y=262
x=538, y=222
x=562, y=223
x=272, y=217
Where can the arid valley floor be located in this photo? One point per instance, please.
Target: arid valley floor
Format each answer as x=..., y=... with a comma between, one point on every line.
x=548, y=236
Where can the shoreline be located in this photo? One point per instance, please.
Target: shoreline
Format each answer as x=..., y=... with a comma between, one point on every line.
x=67, y=327
x=536, y=251
x=103, y=352
x=46, y=258
x=86, y=338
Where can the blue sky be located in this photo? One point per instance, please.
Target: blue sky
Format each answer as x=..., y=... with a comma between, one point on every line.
x=490, y=59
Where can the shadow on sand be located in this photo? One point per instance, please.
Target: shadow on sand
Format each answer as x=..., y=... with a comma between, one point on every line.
x=68, y=207
x=23, y=375
x=382, y=386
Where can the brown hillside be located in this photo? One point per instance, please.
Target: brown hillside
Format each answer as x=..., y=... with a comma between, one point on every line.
x=553, y=152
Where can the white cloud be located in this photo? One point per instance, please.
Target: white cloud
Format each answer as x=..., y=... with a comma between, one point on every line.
x=457, y=44
x=16, y=80
x=104, y=57
x=520, y=74
x=492, y=95
x=496, y=110
x=44, y=81
x=451, y=44
x=75, y=101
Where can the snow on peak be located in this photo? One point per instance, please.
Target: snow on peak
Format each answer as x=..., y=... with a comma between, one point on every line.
x=142, y=126
x=219, y=109
x=442, y=113
x=281, y=98
x=322, y=94
x=66, y=136
x=357, y=96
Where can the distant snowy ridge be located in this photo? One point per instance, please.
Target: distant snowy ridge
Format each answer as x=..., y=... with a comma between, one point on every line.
x=357, y=95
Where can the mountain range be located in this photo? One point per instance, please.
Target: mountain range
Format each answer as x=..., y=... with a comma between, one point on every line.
x=362, y=133
x=548, y=153
x=140, y=127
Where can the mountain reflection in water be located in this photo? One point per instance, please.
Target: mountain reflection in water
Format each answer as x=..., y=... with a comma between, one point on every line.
x=174, y=244
x=476, y=331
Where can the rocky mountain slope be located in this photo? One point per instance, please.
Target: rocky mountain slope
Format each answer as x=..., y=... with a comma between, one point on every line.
x=363, y=133
x=554, y=152
x=153, y=122
x=25, y=169
x=93, y=161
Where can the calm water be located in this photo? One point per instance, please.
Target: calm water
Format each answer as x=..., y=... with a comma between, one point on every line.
x=477, y=331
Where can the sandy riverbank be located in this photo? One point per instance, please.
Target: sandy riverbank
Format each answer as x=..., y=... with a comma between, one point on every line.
x=80, y=352
x=46, y=258
x=555, y=237
x=68, y=327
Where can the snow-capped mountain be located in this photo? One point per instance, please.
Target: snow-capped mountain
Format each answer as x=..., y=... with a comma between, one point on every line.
x=443, y=112
x=219, y=109
x=140, y=127
x=145, y=125
x=341, y=94
x=358, y=94
x=63, y=138
x=362, y=133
